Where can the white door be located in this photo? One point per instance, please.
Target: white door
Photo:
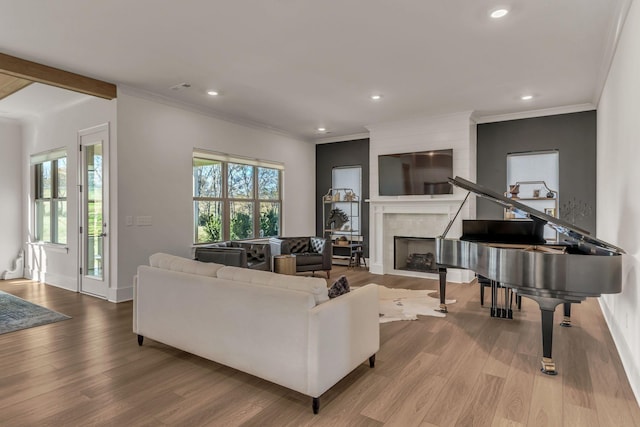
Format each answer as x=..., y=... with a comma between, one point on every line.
x=94, y=210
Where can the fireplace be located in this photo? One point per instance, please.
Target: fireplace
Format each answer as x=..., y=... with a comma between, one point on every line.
x=414, y=254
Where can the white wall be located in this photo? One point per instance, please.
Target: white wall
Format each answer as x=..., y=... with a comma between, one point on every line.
x=618, y=178
x=457, y=131
x=57, y=129
x=155, y=146
x=10, y=192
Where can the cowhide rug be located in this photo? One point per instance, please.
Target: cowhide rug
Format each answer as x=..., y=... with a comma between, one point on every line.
x=407, y=304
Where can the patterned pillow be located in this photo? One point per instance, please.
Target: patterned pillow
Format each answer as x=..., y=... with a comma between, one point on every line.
x=340, y=287
x=317, y=245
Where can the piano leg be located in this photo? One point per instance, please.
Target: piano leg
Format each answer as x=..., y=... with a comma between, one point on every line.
x=442, y=272
x=566, y=322
x=548, y=365
x=495, y=311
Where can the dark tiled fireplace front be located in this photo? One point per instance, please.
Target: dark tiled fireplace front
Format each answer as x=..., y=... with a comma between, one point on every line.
x=415, y=254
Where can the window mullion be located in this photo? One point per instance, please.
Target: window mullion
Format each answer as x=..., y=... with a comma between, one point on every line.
x=226, y=204
x=256, y=205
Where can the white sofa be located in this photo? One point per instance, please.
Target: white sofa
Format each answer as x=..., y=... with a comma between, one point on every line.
x=281, y=328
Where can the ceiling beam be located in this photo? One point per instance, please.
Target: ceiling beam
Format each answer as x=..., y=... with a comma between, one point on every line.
x=10, y=84
x=35, y=72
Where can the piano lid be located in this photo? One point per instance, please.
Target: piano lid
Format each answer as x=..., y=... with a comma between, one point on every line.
x=561, y=226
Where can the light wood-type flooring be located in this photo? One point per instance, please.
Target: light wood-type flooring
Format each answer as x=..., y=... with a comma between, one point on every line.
x=466, y=369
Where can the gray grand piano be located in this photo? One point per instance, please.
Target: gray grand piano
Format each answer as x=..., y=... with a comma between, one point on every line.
x=515, y=254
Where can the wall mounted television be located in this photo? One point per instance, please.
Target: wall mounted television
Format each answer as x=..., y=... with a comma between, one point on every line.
x=417, y=173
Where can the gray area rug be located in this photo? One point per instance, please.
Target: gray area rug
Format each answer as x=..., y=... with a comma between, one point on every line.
x=16, y=314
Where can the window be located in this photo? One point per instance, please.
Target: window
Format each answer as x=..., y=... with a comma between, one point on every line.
x=50, y=196
x=235, y=198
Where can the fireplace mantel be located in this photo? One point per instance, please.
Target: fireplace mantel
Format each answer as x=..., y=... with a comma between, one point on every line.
x=430, y=217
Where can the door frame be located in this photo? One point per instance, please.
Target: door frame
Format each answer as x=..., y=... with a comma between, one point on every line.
x=104, y=127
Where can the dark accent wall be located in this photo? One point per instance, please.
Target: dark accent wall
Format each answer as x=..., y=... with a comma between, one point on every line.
x=573, y=135
x=337, y=154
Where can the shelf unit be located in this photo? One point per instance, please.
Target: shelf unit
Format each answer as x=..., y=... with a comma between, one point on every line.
x=541, y=202
x=344, y=225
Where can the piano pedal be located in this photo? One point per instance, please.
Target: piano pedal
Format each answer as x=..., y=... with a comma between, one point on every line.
x=442, y=309
x=566, y=322
x=548, y=366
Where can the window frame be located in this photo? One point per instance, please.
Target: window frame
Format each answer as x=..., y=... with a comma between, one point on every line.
x=56, y=236
x=226, y=201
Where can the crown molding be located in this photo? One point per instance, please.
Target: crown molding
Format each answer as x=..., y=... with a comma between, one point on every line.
x=343, y=138
x=611, y=45
x=554, y=111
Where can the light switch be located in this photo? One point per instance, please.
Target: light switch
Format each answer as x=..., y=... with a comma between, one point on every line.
x=128, y=220
x=143, y=220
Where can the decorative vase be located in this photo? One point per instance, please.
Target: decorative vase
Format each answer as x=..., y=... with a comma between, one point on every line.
x=514, y=190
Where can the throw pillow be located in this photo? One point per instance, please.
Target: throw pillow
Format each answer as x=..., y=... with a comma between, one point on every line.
x=340, y=287
x=317, y=245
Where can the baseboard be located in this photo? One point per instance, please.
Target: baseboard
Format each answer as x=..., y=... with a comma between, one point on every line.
x=629, y=361
x=57, y=280
x=120, y=294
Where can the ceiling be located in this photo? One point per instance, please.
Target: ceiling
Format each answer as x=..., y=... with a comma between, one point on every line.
x=296, y=65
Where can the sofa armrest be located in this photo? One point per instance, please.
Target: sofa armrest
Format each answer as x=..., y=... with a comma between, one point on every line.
x=279, y=246
x=225, y=255
x=343, y=333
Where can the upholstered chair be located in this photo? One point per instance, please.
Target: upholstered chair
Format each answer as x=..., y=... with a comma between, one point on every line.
x=312, y=253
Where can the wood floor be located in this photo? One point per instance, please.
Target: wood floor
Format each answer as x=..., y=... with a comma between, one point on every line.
x=467, y=369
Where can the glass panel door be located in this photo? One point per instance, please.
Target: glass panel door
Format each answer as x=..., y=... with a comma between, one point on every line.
x=94, y=238
x=95, y=233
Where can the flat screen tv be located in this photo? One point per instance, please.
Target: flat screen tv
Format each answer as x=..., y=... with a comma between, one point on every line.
x=418, y=173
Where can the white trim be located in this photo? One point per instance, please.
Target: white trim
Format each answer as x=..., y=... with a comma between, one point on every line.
x=105, y=130
x=53, y=247
x=344, y=138
x=120, y=294
x=611, y=44
x=45, y=156
x=223, y=157
x=535, y=113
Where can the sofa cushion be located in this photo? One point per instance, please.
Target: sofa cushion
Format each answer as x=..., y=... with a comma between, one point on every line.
x=298, y=245
x=183, y=265
x=313, y=285
x=308, y=259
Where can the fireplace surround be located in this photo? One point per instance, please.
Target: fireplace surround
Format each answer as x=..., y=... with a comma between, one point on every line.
x=423, y=218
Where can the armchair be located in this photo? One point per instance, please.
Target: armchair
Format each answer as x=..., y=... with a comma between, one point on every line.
x=312, y=253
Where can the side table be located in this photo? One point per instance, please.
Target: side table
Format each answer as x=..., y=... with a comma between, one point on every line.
x=284, y=264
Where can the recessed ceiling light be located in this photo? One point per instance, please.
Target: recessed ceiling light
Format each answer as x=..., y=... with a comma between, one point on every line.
x=526, y=97
x=499, y=13
x=213, y=93
x=376, y=97
x=321, y=130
